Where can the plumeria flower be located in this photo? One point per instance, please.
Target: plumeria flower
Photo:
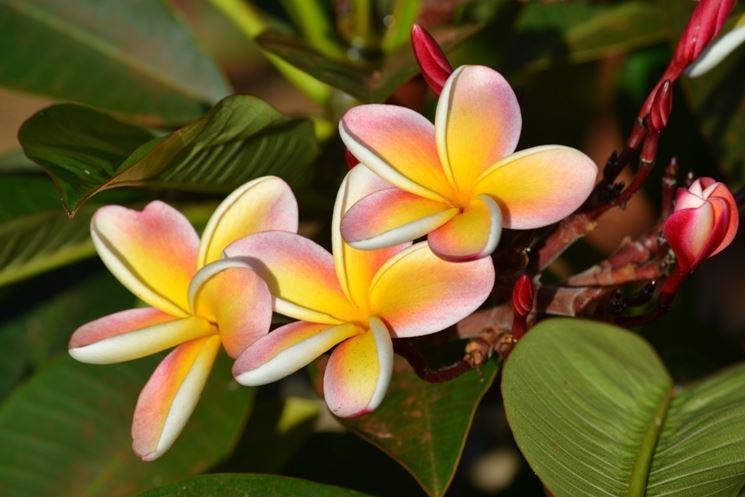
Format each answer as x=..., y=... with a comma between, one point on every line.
x=458, y=181
x=353, y=300
x=703, y=224
x=157, y=255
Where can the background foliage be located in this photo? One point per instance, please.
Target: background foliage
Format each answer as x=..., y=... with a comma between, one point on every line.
x=137, y=105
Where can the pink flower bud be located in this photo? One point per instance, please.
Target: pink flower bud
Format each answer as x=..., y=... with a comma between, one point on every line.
x=663, y=103
x=434, y=65
x=703, y=224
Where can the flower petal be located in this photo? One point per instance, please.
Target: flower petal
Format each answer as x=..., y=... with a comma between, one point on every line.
x=170, y=395
x=264, y=204
x=477, y=123
x=391, y=217
x=471, y=235
x=153, y=252
x=245, y=315
x=399, y=145
x=287, y=349
x=300, y=275
x=539, y=186
x=355, y=268
x=693, y=234
x=417, y=293
x=132, y=334
x=731, y=212
x=359, y=371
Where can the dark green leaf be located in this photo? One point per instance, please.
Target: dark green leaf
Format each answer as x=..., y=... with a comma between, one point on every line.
x=595, y=413
x=133, y=57
x=66, y=432
x=580, y=31
x=368, y=85
x=424, y=425
x=228, y=485
x=241, y=138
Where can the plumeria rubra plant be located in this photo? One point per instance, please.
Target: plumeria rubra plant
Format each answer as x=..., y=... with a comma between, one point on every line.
x=391, y=254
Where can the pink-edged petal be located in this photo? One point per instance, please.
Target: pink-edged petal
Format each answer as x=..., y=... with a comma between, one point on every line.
x=417, y=293
x=132, y=334
x=153, y=252
x=471, y=235
x=539, y=186
x=731, y=213
x=230, y=294
x=170, y=395
x=399, y=145
x=264, y=204
x=287, y=349
x=356, y=268
x=478, y=122
x=359, y=371
x=694, y=234
x=300, y=275
x=391, y=217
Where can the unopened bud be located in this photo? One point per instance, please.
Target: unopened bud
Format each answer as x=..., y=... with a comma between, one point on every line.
x=434, y=65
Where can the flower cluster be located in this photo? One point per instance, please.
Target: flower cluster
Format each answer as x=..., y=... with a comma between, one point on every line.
x=457, y=181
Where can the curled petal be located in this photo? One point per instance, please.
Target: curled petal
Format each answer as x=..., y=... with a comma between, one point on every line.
x=170, y=395
x=287, y=349
x=264, y=204
x=153, y=252
x=716, y=190
x=539, y=186
x=300, y=275
x=230, y=294
x=399, y=145
x=355, y=268
x=684, y=199
x=473, y=234
x=359, y=371
x=417, y=293
x=132, y=334
x=478, y=123
x=391, y=217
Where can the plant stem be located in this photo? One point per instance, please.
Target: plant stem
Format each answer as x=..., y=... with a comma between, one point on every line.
x=251, y=23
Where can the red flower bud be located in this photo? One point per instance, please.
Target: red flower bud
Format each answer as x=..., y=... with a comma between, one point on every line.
x=522, y=296
x=706, y=21
x=434, y=65
x=663, y=103
x=703, y=224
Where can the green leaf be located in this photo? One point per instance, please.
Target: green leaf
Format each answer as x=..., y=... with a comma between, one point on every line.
x=366, y=84
x=229, y=485
x=580, y=32
x=15, y=161
x=423, y=426
x=240, y=139
x=66, y=432
x=595, y=413
x=132, y=57
x=36, y=233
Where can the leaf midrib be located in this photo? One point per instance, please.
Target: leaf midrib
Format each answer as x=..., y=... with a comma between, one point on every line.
x=645, y=454
x=26, y=9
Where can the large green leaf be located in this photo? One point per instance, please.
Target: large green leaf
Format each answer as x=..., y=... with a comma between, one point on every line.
x=580, y=31
x=241, y=138
x=423, y=426
x=230, y=485
x=133, y=57
x=596, y=414
x=366, y=84
x=66, y=432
